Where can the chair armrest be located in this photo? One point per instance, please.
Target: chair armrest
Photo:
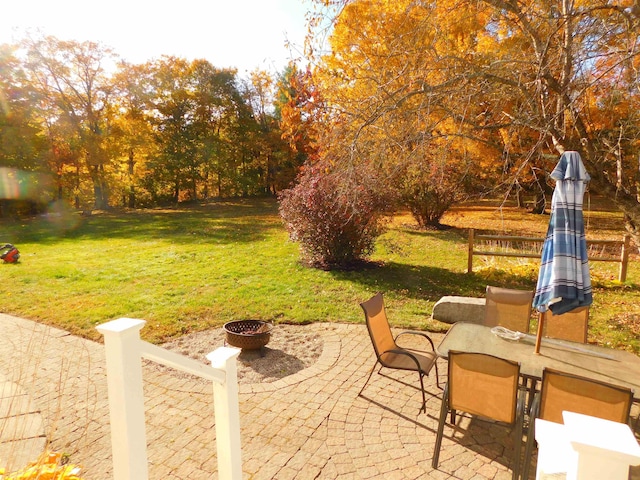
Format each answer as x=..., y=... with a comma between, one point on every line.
x=403, y=352
x=421, y=334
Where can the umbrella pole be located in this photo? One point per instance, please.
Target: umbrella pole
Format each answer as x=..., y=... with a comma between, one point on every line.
x=539, y=335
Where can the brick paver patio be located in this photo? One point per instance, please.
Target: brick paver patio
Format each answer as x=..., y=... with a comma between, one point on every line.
x=310, y=425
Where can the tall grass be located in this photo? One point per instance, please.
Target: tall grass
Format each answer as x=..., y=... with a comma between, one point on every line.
x=191, y=268
x=50, y=401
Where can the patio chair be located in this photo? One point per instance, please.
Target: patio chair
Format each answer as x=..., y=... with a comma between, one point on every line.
x=485, y=386
x=566, y=392
x=389, y=354
x=567, y=326
x=509, y=308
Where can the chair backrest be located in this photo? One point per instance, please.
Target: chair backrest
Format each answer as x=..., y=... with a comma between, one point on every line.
x=509, y=308
x=378, y=324
x=572, y=325
x=483, y=385
x=562, y=391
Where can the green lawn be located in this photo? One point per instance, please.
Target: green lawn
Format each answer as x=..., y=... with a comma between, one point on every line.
x=191, y=268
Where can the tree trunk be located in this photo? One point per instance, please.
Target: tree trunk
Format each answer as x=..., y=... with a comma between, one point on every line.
x=99, y=196
x=194, y=187
x=176, y=191
x=99, y=187
x=132, y=192
x=205, y=186
x=520, y=198
x=77, y=186
x=540, y=203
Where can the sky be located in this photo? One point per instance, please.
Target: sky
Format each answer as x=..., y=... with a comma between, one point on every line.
x=242, y=34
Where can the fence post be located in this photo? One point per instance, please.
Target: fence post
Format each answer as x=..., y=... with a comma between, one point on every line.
x=126, y=398
x=227, y=412
x=470, y=252
x=624, y=258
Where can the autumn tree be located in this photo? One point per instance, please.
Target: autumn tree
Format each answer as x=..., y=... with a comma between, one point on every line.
x=517, y=82
x=275, y=161
x=573, y=78
x=131, y=140
x=71, y=78
x=260, y=147
x=384, y=83
x=23, y=151
x=298, y=109
x=119, y=134
x=20, y=145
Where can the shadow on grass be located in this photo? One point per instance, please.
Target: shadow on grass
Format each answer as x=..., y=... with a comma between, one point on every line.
x=226, y=222
x=418, y=281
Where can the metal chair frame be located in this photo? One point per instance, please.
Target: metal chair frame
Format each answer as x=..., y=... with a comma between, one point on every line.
x=504, y=369
x=582, y=395
x=389, y=354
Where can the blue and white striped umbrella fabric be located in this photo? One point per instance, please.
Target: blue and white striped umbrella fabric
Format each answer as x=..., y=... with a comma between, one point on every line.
x=564, y=282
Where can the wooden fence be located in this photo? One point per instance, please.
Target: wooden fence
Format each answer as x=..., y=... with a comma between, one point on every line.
x=621, y=245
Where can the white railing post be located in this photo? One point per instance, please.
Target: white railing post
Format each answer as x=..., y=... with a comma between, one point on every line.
x=126, y=398
x=124, y=351
x=585, y=448
x=227, y=412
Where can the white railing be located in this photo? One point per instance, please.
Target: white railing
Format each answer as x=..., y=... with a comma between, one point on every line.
x=124, y=350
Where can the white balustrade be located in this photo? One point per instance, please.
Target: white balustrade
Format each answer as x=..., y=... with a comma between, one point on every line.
x=585, y=448
x=124, y=351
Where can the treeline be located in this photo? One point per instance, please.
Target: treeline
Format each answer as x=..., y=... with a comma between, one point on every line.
x=413, y=105
x=79, y=125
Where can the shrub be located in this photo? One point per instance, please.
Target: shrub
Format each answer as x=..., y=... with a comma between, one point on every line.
x=335, y=216
x=430, y=189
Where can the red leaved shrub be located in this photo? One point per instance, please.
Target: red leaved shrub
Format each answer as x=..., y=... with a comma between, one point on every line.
x=334, y=215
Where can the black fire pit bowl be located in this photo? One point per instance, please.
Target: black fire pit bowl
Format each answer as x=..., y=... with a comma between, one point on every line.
x=248, y=334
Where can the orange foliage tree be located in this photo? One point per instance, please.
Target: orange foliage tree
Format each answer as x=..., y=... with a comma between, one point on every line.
x=385, y=84
x=512, y=83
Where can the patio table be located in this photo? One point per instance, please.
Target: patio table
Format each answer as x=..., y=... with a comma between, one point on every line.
x=617, y=367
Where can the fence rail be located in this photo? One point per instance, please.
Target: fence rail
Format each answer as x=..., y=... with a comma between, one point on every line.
x=124, y=351
x=622, y=245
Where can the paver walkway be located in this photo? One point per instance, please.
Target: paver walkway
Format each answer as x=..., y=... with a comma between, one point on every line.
x=310, y=425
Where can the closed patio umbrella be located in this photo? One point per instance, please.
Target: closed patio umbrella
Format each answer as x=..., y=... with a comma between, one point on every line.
x=564, y=282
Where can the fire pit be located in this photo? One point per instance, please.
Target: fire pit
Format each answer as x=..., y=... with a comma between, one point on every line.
x=248, y=334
